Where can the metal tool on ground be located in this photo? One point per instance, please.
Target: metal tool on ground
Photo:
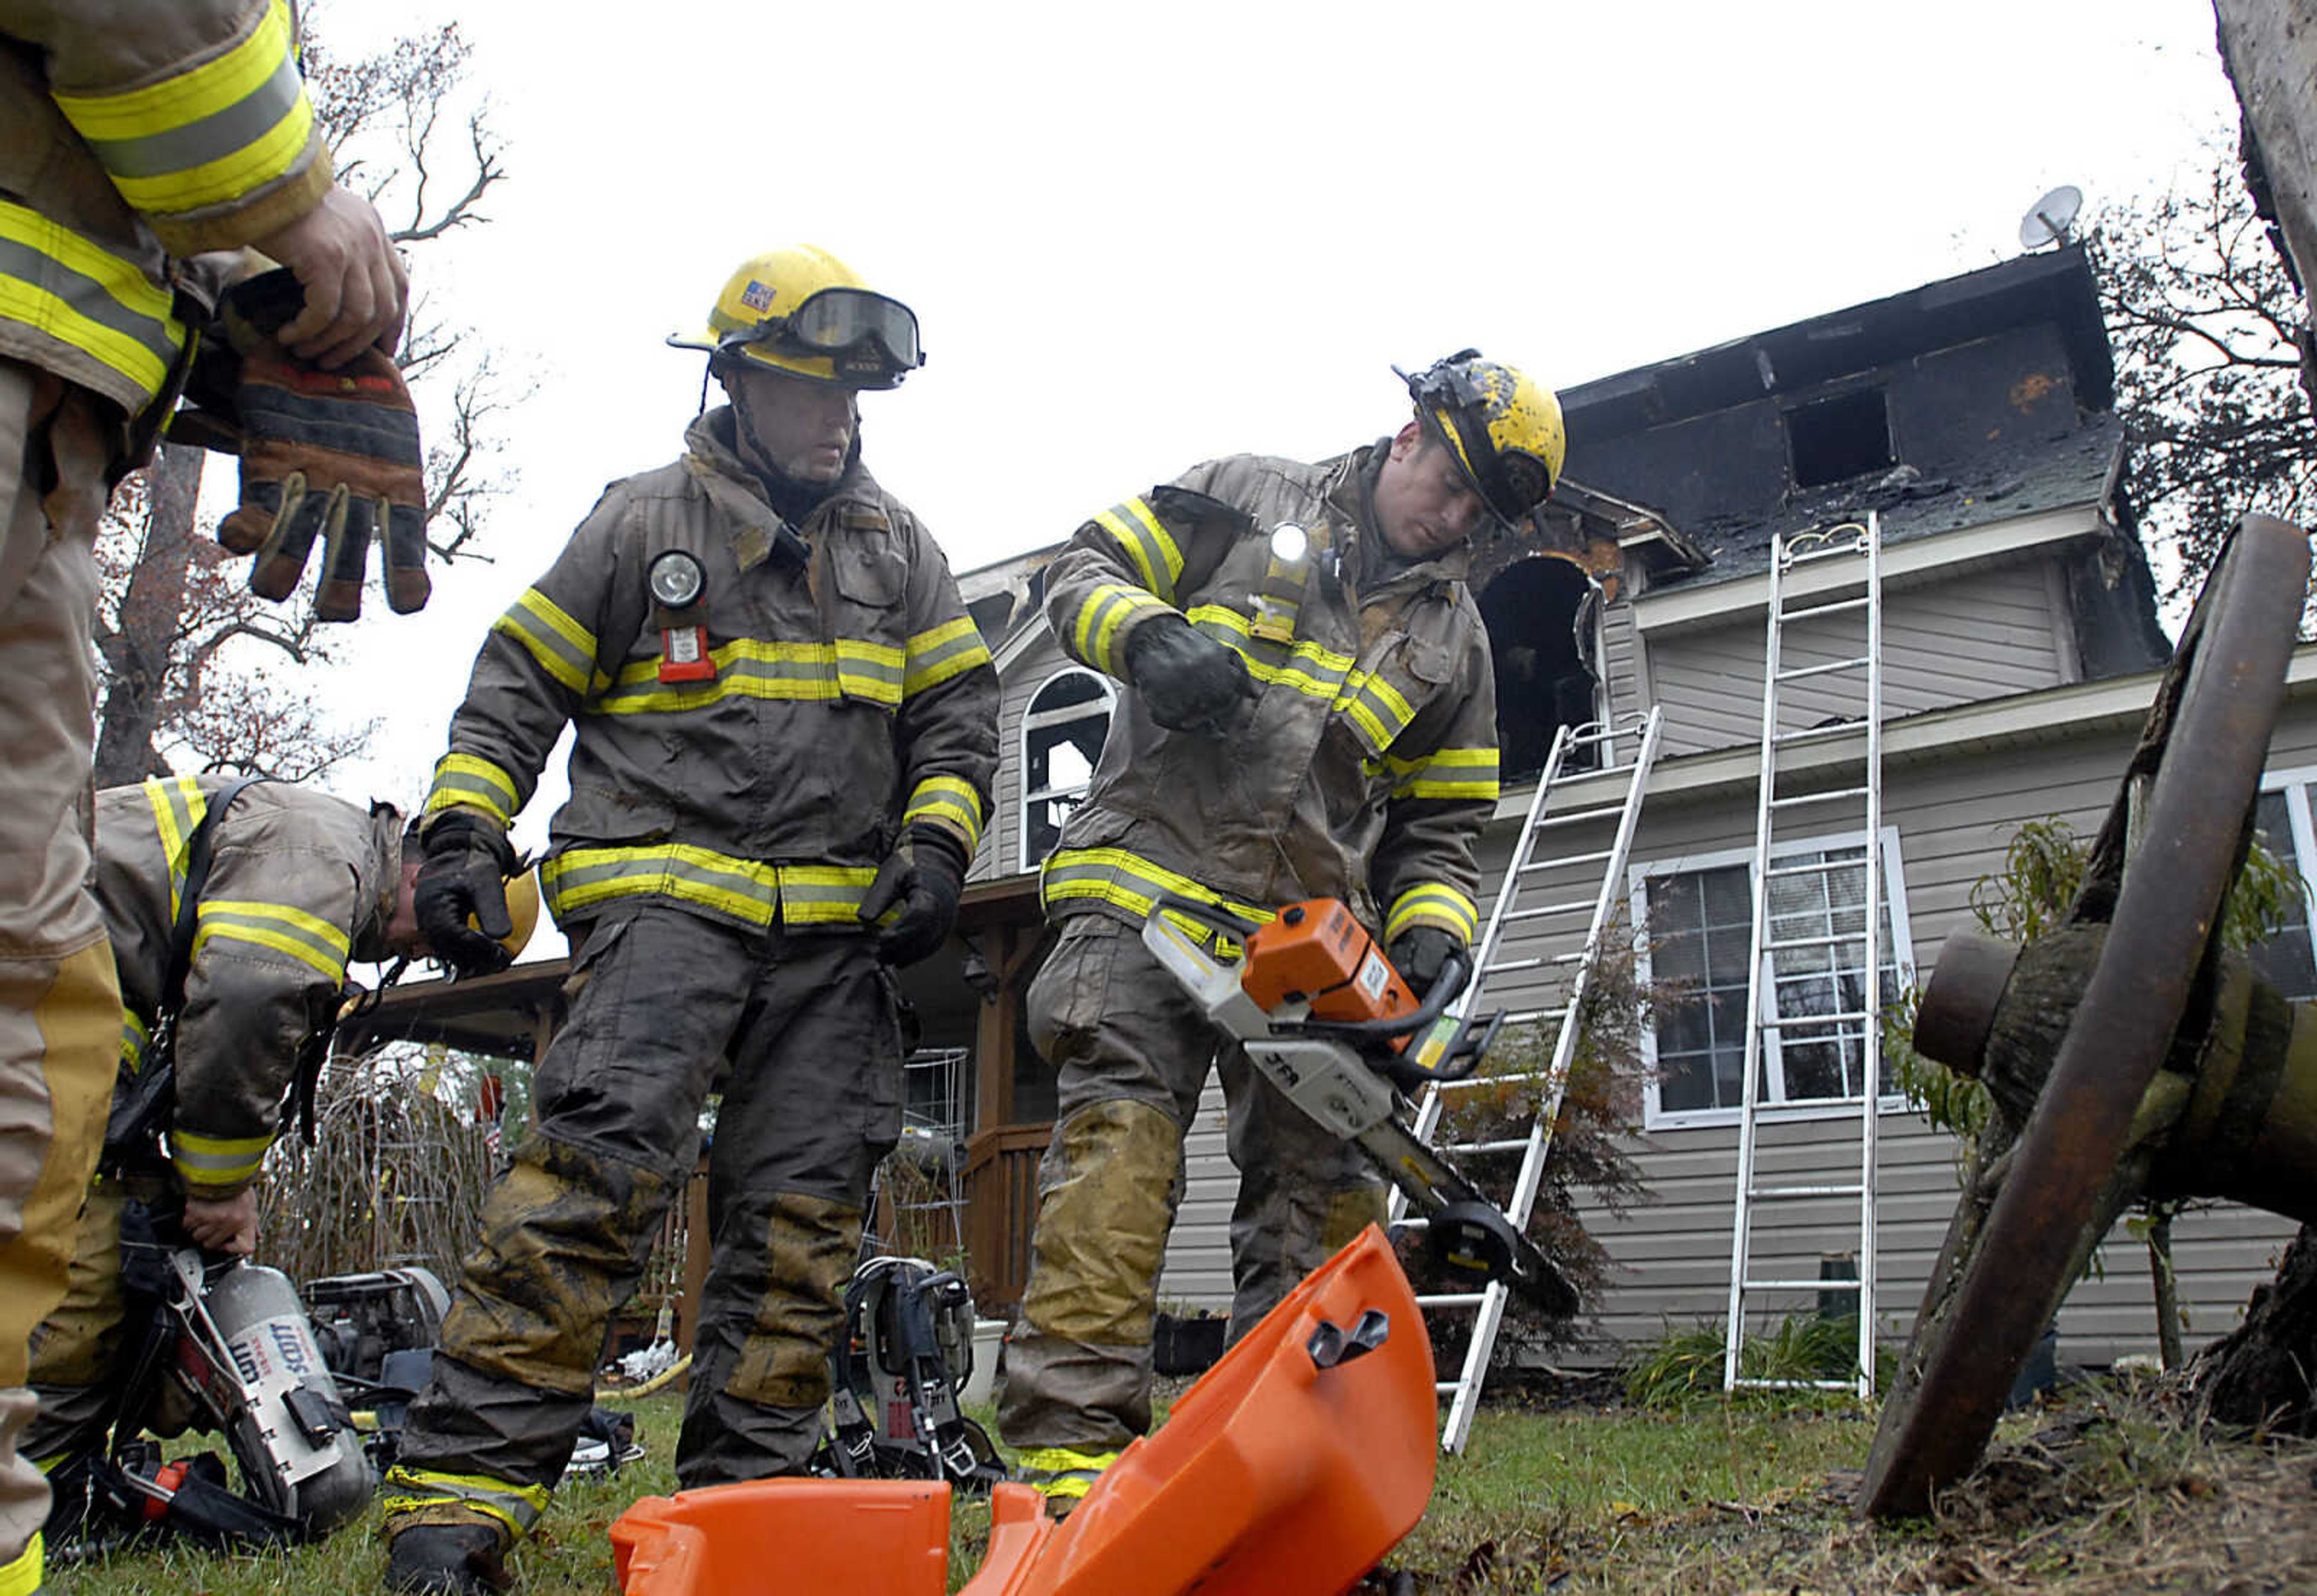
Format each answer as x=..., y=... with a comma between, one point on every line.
x=895, y=1376
x=2125, y=1052
x=1554, y=855
x=1326, y=1019
x=1817, y=955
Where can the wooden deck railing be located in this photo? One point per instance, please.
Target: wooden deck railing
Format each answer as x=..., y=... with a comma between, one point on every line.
x=1001, y=1201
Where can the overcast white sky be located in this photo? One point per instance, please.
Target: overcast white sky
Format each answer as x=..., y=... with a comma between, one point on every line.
x=1139, y=236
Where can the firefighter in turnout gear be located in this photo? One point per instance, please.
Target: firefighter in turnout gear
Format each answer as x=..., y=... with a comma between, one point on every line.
x=1312, y=715
x=785, y=733
x=240, y=986
x=137, y=136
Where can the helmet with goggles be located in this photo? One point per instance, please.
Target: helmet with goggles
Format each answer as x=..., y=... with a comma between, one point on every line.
x=1504, y=430
x=803, y=311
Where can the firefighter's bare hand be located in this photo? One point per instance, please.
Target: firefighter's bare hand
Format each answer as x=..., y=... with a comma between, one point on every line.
x=228, y=1224
x=356, y=289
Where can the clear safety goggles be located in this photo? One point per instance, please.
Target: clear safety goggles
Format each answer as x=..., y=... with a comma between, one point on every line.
x=838, y=321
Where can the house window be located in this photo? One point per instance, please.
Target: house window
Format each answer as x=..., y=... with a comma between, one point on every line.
x=1835, y=439
x=1061, y=739
x=1543, y=613
x=1698, y=919
x=2283, y=819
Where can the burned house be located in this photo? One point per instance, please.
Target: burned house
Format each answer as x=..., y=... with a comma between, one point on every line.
x=2020, y=650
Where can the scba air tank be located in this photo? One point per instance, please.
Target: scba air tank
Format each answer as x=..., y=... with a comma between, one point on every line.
x=291, y=1434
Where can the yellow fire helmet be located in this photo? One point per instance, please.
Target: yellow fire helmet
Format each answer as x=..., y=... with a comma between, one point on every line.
x=1505, y=430
x=523, y=911
x=803, y=311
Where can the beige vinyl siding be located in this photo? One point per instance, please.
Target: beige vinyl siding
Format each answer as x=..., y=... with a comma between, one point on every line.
x=1197, y=1268
x=1627, y=693
x=1983, y=634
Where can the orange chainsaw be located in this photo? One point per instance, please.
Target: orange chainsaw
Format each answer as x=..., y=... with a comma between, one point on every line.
x=1327, y=1020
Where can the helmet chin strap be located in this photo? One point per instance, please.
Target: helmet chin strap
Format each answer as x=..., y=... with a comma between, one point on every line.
x=792, y=496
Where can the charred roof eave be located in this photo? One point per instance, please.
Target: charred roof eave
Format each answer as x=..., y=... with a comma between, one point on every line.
x=2056, y=287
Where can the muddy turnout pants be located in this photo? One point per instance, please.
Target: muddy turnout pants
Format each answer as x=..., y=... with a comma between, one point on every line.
x=802, y=1036
x=1132, y=1053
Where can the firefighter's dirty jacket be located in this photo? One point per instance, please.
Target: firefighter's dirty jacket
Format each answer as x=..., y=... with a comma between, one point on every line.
x=1367, y=766
x=135, y=135
x=298, y=884
x=850, y=694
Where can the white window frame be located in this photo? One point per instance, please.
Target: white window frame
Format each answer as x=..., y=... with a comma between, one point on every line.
x=2295, y=782
x=1034, y=720
x=1900, y=952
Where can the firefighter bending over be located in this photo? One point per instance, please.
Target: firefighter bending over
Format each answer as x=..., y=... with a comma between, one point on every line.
x=136, y=137
x=786, y=731
x=233, y=908
x=1312, y=716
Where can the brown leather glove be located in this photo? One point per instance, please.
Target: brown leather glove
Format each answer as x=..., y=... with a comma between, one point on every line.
x=327, y=454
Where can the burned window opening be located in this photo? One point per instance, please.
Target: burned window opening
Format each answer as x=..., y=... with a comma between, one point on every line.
x=1835, y=439
x=1540, y=617
x=1062, y=735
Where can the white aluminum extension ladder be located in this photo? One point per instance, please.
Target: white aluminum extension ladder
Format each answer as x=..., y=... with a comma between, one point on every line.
x=1814, y=576
x=1638, y=738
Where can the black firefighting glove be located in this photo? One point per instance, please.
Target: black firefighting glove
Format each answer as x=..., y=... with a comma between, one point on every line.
x=468, y=860
x=327, y=454
x=918, y=888
x=1420, y=953
x=1188, y=680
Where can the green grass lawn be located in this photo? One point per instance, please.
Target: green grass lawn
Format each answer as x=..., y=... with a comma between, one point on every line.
x=2111, y=1490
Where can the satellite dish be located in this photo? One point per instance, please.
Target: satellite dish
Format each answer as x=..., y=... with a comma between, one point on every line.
x=2048, y=220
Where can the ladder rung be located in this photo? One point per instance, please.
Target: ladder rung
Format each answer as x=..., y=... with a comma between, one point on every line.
x=1820, y=868
x=1578, y=817
x=1806, y=612
x=1508, y=966
x=1796, y=1384
x=1474, y=1082
x=1850, y=1190
x=1797, y=799
x=1815, y=941
x=1453, y=1299
x=1542, y=910
x=1819, y=733
x=1573, y=957
x=1828, y=669
x=1801, y=1021
x=1839, y=1283
x=1498, y=1146
x=1569, y=861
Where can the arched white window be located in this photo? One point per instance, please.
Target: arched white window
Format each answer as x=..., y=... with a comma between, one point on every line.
x=1061, y=739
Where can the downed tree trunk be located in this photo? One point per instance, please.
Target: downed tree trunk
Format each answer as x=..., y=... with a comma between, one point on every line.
x=2260, y=1374
x=2269, y=48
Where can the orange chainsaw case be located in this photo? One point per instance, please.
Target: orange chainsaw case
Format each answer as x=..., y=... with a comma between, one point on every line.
x=1317, y=951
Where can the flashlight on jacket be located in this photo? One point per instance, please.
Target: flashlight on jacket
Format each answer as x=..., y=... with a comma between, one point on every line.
x=676, y=581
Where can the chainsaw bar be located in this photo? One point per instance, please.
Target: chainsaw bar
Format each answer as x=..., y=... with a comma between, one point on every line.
x=1461, y=1234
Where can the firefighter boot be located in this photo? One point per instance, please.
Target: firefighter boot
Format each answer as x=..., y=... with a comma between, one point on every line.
x=446, y=1560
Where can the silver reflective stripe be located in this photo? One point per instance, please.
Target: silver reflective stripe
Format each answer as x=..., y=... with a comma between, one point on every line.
x=221, y=133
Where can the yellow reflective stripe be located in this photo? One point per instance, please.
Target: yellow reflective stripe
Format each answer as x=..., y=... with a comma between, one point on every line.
x=946, y=797
x=1377, y=707
x=940, y=652
x=212, y=134
x=409, y=1490
x=134, y=1038
x=1128, y=881
x=54, y=279
x=21, y=1575
x=465, y=779
x=564, y=648
x=217, y=1161
x=303, y=937
x=823, y=895
x=1447, y=773
x=748, y=667
x=1099, y=618
x=178, y=806
x=582, y=878
x=1434, y=903
x=1308, y=668
x=1143, y=540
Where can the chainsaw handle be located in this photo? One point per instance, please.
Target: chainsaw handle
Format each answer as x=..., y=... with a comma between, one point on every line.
x=1454, y=973
x=1213, y=916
